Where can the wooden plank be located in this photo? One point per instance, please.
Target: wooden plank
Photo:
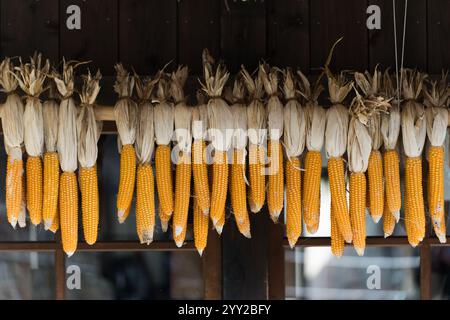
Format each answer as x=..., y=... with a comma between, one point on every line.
x=438, y=30
x=276, y=261
x=198, y=28
x=245, y=260
x=147, y=33
x=288, y=33
x=212, y=267
x=29, y=25
x=332, y=19
x=97, y=40
x=381, y=42
x=243, y=33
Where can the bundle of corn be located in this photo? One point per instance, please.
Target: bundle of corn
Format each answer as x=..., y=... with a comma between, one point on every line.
x=183, y=122
x=145, y=135
x=200, y=173
x=414, y=134
x=13, y=131
x=125, y=114
x=436, y=113
x=358, y=149
x=335, y=146
x=220, y=120
x=274, y=109
x=199, y=163
x=164, y=119
x=390, y=129
x=256, y=120
x=239, y=144
x=88, y=134
x=315, y=129
x=67, y=146
x=369, y=85
x=31, y=78
x=294, y=141
x=50, y=110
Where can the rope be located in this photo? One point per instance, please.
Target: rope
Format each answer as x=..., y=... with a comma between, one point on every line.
x=399, y=81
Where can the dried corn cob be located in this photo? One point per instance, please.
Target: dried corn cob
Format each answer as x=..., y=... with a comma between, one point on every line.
x=337, y=241
x=388, y=221
x=201, y=222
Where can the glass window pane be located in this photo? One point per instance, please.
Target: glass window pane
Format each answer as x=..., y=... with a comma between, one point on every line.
x=440, y=277
x=382, y=273
x=27, y=275
x=138, y=275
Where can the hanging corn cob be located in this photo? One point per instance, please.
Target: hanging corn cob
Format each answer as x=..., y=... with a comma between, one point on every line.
x=369, y=85
x=13, y=132
x=388, y=221
x=390, y=129
x=239, y=144
x=256, y=120
x=164, y=126
x=220, y=120
x=89, y=131
x=315, y=117
x=337, y=240
x=67, y=146
x=201, y=225
x=199, y=163
x=335, y=145
x=50, y=111
x=125, y=114
x=294, y=141
x=145, y=144
x=436, y=113
x=274, y=109
x=414, y=134
x=183, y=121
x=31, y=78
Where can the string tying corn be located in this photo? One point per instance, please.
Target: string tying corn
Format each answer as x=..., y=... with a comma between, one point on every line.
x=436, y=97
x=315, y=117
x=67, y=146
x=31, y=78
x=239, y=144
x=183, y=121
x=414, y=134
x=294, y=141
x=89, y=131
x=164, y=127
x=125, y=114
x=256, y=117
x=13, y=135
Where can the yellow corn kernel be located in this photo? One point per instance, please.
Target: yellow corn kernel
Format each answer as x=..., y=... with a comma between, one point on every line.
x=14, y=173
x=337, y=240
x=293, y=200
x=436, y=158
x=358, y=210
x=89, y=203
x=51, y=186
x=219, y=189
x=414, y=207
x=200, y=172
x=338, y=197
x=164, y=185
x=68, y=209
x=126, y=181
x=34, y=189
x=257, y=178
x=311, y=190
x=392, y=177
x=55, y=223
x=376, y=186
x=238, y=193
x=182, y=196
x=145, y=203
x=275, y=192
x=201, y=225
x=388, y=222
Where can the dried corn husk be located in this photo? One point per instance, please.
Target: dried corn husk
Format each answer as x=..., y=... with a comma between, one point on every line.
x=200, y=118
x=274, y=105
x=13, y=132
x=239, y=111
x=164, y=114
x=390, y=122
x=183, y=114
x=50, y=112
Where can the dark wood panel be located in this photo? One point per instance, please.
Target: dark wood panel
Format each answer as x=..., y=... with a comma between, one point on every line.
x=288, y=33
x=212, y=267
x=332, y=19
x=29, y=25
x=438, y=30
x=97, y=40
x=243, y=33
x=245, y=260
x=198, y=28
x=147, y=33
x=381, y=42
x=275, y=260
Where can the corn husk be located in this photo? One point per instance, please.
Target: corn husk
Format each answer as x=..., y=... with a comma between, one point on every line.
x=183, y=114
x=125, y=110
x=390, y=122
x=13, y=131
x=294, y=120
x=239, y=111
x=163, y=114
x=200, y=119
x=50, y=112
x=315, y=115
x=274, y=108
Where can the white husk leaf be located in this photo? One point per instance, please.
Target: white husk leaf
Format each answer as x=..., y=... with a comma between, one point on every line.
x=315, y=117
x=183, y=114
x=336, y=130
x=125, y=110
x=390, y=122
x=67, y=131
x=274, y=105
x=163, y=113
x=50, y=111
x=239, y=111
x=87, y=127
x=200, y=121
x=436, y=112
x=359, y=146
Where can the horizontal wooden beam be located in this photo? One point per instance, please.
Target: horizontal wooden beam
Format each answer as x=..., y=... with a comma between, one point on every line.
x=370, y=241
